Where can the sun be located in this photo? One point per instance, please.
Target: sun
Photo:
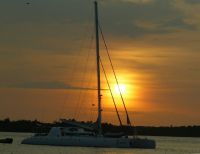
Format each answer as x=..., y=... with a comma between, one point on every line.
x=120, y=88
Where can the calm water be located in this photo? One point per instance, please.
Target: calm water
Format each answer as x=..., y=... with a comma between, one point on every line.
x=165, y=145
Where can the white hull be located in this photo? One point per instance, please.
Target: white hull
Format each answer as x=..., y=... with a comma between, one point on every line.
x=90, y=141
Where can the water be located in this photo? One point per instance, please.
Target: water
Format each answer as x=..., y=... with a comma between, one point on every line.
x=165, y=145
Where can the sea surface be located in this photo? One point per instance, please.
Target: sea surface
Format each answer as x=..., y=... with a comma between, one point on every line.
x=165, y=145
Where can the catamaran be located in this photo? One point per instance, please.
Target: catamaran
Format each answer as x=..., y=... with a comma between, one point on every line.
x=86, y=136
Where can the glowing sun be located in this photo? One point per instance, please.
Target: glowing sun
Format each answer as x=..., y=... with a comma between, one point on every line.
x=120, y=88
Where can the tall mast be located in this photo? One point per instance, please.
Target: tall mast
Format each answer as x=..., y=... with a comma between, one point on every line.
x=98, y=67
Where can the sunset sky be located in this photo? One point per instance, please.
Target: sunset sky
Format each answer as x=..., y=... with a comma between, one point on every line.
x=47, y=60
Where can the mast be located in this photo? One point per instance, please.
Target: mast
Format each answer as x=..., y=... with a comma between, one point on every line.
x=98, y=67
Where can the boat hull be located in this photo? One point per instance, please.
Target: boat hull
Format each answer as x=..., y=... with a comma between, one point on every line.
x=91, y=141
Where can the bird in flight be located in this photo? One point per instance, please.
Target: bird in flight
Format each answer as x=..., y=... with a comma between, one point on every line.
x=27, y=3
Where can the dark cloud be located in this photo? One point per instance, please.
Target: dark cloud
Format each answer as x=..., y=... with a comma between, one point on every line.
x=45, y=11
x=177, y=24
x=47, y=85
x=192, y=1
x=120, y=18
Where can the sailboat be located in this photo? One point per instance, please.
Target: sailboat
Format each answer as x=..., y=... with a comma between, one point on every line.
x=85, y=136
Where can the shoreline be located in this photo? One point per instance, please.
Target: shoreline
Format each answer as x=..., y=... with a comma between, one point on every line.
x=28, y=126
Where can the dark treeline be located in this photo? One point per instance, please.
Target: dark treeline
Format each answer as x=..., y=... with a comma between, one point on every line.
x=35, y=126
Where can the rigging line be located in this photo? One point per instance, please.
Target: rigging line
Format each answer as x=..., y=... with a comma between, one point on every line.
x=91, y=84
x=89, y=37
x=74, y=65
x=89, y=81
x=111, y=92
x=128, y=119
x=80, y=99
x=93, y=96
x=93, y=109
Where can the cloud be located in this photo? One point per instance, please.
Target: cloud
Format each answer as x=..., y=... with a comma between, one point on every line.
x=190, y=10
x=46, y=11
x=192, y=1
x=120, y=18
x=62, y=26
x=117, y=14
x=47, y=85
x=139, y=1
